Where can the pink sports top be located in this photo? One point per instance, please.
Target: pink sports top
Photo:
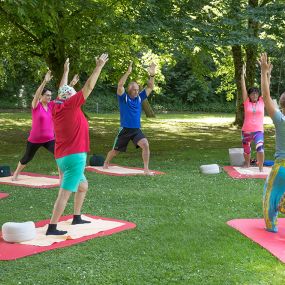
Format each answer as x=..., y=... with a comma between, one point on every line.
x=253, y=116
x=42, y=125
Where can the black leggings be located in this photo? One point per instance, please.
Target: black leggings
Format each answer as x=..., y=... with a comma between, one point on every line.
x=32, y=148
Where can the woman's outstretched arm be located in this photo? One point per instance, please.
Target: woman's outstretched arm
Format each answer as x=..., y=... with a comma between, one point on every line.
x=64, y=78
x=39, y=91
x=91, y=82
x=265, y=67
x=243, y=86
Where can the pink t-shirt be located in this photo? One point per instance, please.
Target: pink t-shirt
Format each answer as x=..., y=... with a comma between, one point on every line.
x=253, y=116
x=42, y=126
x=70, y=125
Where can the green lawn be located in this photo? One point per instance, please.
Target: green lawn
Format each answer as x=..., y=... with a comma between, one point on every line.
x=181, y=235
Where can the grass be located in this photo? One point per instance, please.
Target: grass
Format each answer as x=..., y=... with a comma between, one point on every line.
x=181, y=235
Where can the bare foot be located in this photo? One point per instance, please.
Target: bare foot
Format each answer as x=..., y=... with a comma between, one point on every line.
x=246, y=166
x=106, y=165
x=148, y=172
x=14, y=178
x=261, y=169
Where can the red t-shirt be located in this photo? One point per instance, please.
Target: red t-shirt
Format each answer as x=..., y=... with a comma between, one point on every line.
x=70, y=126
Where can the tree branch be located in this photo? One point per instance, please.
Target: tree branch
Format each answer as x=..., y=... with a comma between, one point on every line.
x=12, y=20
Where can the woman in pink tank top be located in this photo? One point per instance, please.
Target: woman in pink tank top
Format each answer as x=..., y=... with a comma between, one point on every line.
x=42, y=133
x=252, y=129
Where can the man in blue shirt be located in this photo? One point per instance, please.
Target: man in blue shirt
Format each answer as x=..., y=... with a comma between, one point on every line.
x=130, y=104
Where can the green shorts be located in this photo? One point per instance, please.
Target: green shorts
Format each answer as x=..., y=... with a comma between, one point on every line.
x=72, y=167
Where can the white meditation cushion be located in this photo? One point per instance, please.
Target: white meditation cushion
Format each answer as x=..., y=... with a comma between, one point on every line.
x=236, y=156
x=18, y=232
x=210, y=169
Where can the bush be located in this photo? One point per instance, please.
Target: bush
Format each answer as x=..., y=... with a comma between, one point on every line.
x=211, y=107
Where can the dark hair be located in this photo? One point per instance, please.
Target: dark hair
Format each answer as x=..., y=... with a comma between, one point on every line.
x=252, y=90
x=45, y=90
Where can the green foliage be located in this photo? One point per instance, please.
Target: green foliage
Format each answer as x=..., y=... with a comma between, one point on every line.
x=189, y=40
x=212, y=107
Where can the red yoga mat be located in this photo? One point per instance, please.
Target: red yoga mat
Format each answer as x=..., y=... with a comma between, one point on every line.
x=50, y=180
x=237, y=175
x=117, y=170
x=12, y=251
x=254, y=230
x=3, y=195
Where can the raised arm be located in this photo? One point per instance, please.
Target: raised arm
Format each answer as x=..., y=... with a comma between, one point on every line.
x=150, y=83
x=265, y=67
x=64, y=78
x=74, y=81
x=269, y=74
x=90, y=83
x=243, y=86
x=122, y=81
x=39, y=91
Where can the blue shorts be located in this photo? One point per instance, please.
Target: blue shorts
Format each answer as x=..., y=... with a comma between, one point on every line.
x=72, y=167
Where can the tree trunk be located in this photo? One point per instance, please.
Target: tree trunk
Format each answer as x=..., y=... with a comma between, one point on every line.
x=237, y=57
x=252, y=48
x=251, y=59
x=56, y=67
x=147, y=109
x=56, y=56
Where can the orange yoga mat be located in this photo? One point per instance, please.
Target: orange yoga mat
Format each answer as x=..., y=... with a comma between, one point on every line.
x=3, y=195
x=243, y=173
x=117, y=170
x=254, y=229
x=32, y=180
x=12, y=251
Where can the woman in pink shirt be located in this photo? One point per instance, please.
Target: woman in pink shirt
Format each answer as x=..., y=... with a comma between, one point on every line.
x=72, y=144
x=252, y=129
x=42, y=133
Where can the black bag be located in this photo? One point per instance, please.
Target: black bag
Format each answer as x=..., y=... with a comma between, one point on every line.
x=5, y=171
x=96, y=160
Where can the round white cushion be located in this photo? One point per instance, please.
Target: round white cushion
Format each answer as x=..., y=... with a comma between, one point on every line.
x=18, y=232
x=210, y=169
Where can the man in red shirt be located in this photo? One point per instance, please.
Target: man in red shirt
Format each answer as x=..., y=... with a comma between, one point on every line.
x=72, y=144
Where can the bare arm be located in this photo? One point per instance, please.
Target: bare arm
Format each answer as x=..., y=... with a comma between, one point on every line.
x=150, y=83
x=243, y=86
x=74, y=81
x=64, y=78
x=269, y=104
x=39, y=91
x=90, y=83
x=122, y=81
x=269, y=74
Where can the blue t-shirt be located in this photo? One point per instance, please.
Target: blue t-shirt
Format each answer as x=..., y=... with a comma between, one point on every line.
x=279, y=123
x=131, y=109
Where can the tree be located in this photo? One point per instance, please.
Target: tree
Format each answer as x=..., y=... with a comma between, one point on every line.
x=43, y=33
x=243, y=25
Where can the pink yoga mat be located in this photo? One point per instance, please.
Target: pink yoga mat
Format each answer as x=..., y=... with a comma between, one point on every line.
x=235, y=174
x=10, y=251
x=254, y=230
x=122, y=170
x=54, y=183
x=3, y=195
